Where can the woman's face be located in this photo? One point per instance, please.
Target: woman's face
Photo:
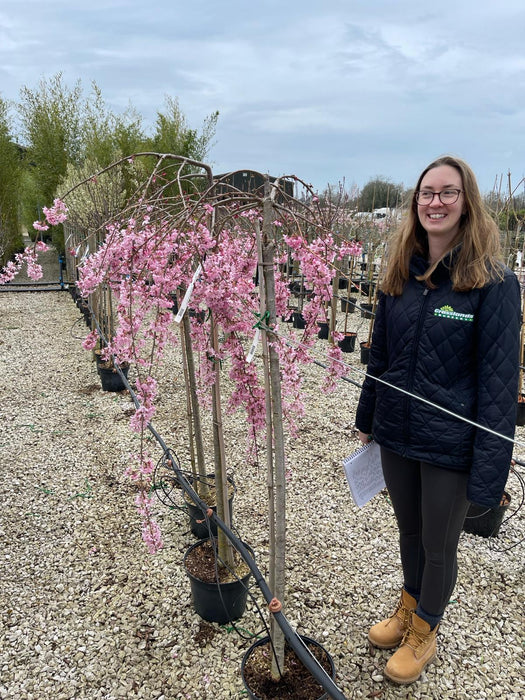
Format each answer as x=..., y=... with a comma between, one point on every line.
x=438, y=219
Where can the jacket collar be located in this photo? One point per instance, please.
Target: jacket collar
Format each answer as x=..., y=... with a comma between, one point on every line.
x=418, y=266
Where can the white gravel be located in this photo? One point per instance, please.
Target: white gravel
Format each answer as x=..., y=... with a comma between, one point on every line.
x=86, y=612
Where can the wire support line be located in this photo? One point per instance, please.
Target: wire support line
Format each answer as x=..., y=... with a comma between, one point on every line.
x=422, y=399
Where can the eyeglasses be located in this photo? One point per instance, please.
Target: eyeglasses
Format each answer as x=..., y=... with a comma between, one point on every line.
x=445, y=196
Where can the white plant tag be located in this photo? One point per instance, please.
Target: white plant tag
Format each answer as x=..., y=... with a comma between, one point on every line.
x=187, y=296
x=253, y=348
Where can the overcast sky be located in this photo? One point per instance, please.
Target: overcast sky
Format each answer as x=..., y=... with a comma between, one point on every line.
x=327, y=90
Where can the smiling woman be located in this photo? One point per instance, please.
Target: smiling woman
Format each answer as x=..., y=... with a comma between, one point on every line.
x=446, y=335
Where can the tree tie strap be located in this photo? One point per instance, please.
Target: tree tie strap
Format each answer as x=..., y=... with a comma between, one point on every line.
x=263, y=318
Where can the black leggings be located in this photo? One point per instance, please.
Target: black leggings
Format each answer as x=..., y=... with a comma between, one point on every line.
x=430, y=504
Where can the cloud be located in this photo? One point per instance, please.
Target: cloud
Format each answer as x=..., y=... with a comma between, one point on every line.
x=343, y=90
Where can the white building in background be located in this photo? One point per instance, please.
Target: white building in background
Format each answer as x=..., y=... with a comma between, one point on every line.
x=381, y=213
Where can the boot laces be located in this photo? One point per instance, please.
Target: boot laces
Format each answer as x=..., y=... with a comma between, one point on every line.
x=417, y=641
x=403, y=614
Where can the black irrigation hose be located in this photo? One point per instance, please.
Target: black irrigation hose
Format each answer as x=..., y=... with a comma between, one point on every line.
x=291, y=636
x=293, y=639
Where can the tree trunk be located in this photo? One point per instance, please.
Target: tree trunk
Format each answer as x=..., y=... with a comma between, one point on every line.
x=221, y=482
x=194, y=417
x=279, y=482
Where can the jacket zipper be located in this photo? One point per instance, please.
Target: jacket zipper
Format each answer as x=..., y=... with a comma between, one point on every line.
x=413, y=359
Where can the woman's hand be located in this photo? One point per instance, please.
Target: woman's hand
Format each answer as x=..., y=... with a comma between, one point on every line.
x=365, y=438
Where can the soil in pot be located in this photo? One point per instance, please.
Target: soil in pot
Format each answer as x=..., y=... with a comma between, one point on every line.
x=218, y=593
x=297, y=682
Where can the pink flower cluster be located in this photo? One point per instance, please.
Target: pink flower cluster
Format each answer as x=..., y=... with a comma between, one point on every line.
x=146, y=390
x=146, y=261
x=151, y=533
x=56, y=214
x=90, y=341
x=27, y=257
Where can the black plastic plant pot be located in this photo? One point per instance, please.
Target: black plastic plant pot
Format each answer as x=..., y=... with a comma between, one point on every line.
x=483, y=521
x=347, y=344
x=348, y=305
x=322, y=334
x=298, y=320
x=343, y=283
x=366, y=310
x=198, y=315
x=365, y=352
x=111, y=379
x=261, y=688
x=520, y=415
x=218, y=602
x=200, y=525
x=365, y=288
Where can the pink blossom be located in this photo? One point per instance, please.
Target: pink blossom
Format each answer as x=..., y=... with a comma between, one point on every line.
x=147, y=259
x=151, y=533
x=336, y=368
x=90, y=341
x=141, y=468
x=56, y=214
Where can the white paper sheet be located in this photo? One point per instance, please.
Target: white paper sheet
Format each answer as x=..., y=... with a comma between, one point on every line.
x=364, y=473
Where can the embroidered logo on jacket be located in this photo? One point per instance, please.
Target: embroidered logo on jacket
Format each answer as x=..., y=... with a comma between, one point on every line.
x=448, y=312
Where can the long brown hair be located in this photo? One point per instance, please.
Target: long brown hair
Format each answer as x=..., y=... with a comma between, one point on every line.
x=477, y=261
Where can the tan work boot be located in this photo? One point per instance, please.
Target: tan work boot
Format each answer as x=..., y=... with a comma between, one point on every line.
x=417, y=650
x=388, y=633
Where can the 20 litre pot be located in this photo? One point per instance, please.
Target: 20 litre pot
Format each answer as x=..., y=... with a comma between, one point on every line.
x=348, y=305
x=297, y=681
x=111, y=379
x=347, y=344
x=366, y=310
x=365, y=352
x=322, y=333
x=484, y=521
x=214, y=601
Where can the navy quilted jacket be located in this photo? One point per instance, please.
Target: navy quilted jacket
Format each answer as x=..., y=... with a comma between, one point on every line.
x=459, y=350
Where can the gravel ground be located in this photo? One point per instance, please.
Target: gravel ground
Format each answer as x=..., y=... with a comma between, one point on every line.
x=86, y=612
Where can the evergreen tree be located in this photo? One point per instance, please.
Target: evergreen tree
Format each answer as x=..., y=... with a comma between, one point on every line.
x=50, y=119
x=173, y=135
x=379, y=193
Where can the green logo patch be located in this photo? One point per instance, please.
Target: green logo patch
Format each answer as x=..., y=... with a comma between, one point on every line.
x=448, y=312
